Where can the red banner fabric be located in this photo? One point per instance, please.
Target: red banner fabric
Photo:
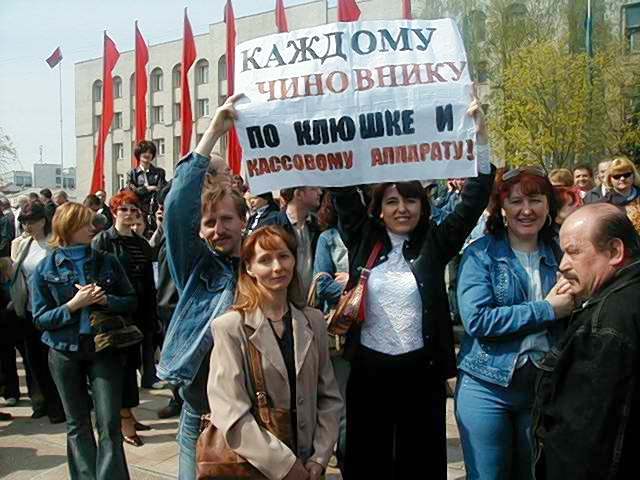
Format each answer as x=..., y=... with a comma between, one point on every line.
x=281, y=17
x=234, y=153
x=55, y=58
x=188, y=57
x=110, y=59
x=406, y=10
x=142, y=58
x=348, y=11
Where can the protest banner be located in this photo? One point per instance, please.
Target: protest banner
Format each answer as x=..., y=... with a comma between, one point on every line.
x=351, y=103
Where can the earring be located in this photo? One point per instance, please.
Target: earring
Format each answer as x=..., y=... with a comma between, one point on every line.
x=549, y=220
x=505, y=222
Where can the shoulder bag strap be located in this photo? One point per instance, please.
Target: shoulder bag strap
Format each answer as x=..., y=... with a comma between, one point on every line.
x=364, y=276
x=257, y=375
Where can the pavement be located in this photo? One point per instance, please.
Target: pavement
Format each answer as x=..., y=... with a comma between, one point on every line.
x=35, y=449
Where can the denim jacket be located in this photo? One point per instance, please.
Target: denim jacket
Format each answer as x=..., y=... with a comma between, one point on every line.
x=53, y=285
x=495, y=311
x=331, y=257
x=205, y=280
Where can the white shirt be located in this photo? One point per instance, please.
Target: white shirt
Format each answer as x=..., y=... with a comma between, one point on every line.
x=37, y=251
x=393, y=306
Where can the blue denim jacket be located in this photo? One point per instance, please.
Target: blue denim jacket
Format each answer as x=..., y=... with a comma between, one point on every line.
x=53, y=286
x=205, y=280
x=331, y=257
x=494, y=307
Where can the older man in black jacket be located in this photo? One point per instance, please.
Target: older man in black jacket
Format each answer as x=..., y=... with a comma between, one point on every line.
x=586, y=416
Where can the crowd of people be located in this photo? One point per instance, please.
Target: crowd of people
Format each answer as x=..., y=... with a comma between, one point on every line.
x=197, y=285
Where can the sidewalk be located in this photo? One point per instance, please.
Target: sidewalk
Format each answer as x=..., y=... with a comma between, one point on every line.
x=35, y=449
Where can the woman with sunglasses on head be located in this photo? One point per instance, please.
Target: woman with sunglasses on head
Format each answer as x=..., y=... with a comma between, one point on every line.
x=510, y=305
x=136, y=256
x=270, y=316
x=403, y=352
x=623, y=182
x=70, y=284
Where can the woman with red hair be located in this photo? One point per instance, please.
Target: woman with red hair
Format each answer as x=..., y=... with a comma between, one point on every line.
x=135, y=255
x=510, y=307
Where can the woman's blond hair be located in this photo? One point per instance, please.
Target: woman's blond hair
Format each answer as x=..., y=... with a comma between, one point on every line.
x=68, y=219
x=621, y=164
x=249, y=297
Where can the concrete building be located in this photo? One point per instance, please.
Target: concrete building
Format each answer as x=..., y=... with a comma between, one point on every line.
x=51, y=175
x=19, y=178
x=207, y=79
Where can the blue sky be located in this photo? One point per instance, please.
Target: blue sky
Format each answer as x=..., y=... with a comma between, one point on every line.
x=31, y=29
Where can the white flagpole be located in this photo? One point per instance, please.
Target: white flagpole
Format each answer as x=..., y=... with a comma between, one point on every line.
x=61, y=141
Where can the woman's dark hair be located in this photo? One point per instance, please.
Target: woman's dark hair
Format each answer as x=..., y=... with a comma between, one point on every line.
x=92, y=200
x=33, y=211
x=530, y=184
x=327, y=217
x=143, y=147
x=411, y=189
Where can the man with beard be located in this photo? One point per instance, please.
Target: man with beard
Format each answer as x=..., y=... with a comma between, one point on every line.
x=586, y=415
x=203, y=222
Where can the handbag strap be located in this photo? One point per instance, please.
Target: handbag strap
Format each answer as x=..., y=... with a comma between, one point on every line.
x=312, y=297
x=364, y=276
x=257, y=375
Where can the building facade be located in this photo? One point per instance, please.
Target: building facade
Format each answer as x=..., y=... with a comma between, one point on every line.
x=207, y=79
x=20, y=178
x=53, y=176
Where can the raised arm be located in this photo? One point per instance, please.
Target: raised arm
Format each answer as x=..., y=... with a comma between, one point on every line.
x=352, y=214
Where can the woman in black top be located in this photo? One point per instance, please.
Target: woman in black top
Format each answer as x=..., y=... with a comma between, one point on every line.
x=135, y=255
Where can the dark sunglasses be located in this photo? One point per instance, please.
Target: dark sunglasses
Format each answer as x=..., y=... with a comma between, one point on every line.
x=625, y=175
x=516, y=172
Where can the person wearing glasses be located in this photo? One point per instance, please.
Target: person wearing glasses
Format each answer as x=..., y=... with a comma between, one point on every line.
x=403, y=352
x=136, y=256
x=510, y=305
x=623, y=183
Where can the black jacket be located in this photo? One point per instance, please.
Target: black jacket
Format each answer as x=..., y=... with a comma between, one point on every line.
x=155, y=177
x=429, y=248
x=267, y=217
x=586, y=414
x=282, y=219
x=110, y=241
x=593, y=196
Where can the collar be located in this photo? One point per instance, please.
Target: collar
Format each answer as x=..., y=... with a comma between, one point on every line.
x=500, y=249
x=140, y=169
x=60, y=257
x=625, y=273
x=291, y=216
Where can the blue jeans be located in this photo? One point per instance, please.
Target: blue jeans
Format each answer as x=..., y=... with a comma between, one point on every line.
x=195, y=405
x=495, y=426
x=70, y=371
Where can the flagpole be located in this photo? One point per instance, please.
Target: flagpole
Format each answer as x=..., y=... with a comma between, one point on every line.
x=61, y=138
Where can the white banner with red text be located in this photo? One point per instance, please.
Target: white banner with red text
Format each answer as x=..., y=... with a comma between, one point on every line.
x=352, y=103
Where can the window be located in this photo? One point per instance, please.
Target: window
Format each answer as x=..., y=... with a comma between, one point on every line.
x=202, y=72
x=157, y=115
x=159, y=146
x=97, y=119
x=222, y=79
x=117, y=120
x=176, y=76
x=121, y=183
x=632, y=26
x=516, y=12
x=202, y=107
x=176, y=149
x=482, y=72
x=478, y=24
x=58, y=171
x=58, y=181
x=118, y=151
x=97, y=91
x=176, y=111
x=117, y=87
x=156, y=80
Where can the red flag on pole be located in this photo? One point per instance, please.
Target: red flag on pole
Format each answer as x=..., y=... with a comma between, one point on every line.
x=406, y=9
x=55, y=58
x=142, y=58
x=348, y=11
x=234, y=153
x=109, y=60
x=281, y=17
x=188, y=57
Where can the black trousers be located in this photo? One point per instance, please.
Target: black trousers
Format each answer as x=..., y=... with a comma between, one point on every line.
x=395, y=418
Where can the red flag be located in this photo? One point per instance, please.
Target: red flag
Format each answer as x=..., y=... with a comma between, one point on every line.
x=281, y=17
x=188, y=57
x=348, y=11
x=406, y=9
x=234, y=153
x=142, y=58
x=109, y=60
x=55, y=58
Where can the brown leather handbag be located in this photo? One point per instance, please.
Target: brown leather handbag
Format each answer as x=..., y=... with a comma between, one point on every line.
x=214, y=458
x=349, y=311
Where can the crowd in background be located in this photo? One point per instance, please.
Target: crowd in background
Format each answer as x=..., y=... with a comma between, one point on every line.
x=167, y=257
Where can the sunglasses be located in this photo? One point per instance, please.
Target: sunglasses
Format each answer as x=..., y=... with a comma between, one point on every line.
x=625, y=175
x=516, y=172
